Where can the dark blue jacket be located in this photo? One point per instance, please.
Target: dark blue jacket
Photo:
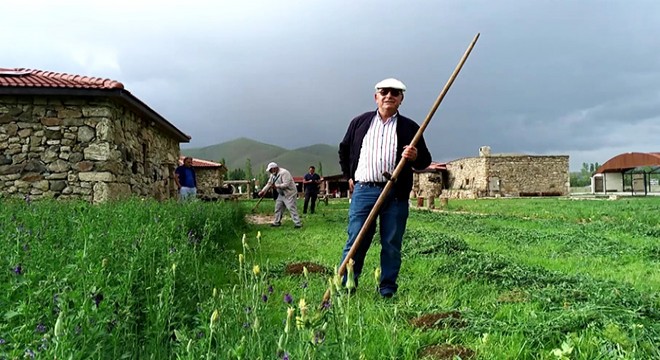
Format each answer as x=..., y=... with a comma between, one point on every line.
x=349, y=150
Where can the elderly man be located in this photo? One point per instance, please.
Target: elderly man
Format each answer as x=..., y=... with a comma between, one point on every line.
x=374, y=143
x=283, y=183
x=186, y=180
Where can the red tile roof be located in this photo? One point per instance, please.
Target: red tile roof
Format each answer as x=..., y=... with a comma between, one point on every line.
x=21, y=81
x=434, y=167
x=200, y=163
x=22, y=77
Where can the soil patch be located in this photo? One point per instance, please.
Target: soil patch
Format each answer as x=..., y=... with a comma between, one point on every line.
x=259, y=219
x=513, y=296
x=450, y=319
x=445, y=351
x=297, y=268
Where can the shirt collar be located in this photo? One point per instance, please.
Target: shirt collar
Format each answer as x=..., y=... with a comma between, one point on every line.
x=393, y=118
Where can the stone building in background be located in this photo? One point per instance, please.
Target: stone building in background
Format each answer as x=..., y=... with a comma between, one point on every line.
x=76, y=137
x=209, y=176
x=495, y=175
x=507, y=175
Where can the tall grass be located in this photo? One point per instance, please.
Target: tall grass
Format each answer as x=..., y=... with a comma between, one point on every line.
x=120, y=277
x=531, y=279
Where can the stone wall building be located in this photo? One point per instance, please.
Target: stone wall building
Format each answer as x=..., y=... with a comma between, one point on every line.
x=428, y=183
x=209, y=176
x=75, y=137
x=507, y=175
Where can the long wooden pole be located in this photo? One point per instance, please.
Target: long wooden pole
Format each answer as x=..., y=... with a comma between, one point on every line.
x=270, y=184
x=400, y=165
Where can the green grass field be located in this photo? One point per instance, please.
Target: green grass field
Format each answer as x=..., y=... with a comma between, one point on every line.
x=485, y=279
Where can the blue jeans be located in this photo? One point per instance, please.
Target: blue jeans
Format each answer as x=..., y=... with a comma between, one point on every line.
x=187, y=193
x=392, y=217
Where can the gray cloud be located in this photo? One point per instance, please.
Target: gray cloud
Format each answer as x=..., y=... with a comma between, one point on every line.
x=547, y=77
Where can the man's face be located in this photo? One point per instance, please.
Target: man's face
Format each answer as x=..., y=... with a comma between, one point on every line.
x=187, y=162
x=274, y=170
x=311, y=170
x=389, y=99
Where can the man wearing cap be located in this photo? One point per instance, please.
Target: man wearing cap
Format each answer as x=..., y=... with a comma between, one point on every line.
x=373, y=145
x=282, y=182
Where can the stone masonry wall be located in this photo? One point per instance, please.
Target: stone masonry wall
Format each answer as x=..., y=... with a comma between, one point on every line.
x=207, y=179
x=84, y=148
x=427, y=184
x=467, y=178
x=523, y=175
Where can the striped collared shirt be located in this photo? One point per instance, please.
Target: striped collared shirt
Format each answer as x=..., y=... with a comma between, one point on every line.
x=378, y=152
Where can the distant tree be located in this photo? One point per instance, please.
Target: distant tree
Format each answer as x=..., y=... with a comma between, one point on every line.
x=237, y=174
x=320, y=172
x=583, y=177
x=262, y=177
x=248, y=169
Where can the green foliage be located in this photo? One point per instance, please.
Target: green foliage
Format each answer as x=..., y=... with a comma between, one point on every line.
x=583, y=177
x=529, y=278
x=118, y=278
x=248, y=169
x=237, y=174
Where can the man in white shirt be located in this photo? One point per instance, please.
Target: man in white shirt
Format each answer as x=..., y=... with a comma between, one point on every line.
x=373, y=145
x=282, y=182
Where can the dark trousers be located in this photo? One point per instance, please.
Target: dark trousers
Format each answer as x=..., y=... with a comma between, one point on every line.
x=310, y=196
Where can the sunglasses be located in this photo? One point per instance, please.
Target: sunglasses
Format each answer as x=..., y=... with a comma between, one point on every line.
x=394, y=92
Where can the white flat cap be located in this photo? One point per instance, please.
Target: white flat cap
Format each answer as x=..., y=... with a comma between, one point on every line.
x=391, y=83
x=270, y=166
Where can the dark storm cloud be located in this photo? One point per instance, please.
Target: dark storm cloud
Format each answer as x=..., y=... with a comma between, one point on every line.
x=547, y=77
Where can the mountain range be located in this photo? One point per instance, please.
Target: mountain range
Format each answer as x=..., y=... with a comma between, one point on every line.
x=236, y=153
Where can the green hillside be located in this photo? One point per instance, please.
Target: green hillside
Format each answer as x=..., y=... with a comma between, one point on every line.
x=236, y=152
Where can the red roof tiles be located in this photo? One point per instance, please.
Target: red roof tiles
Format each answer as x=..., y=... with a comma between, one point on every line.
x=200, y=163
x=22, y=77
x=433, y=167
x=21, y=81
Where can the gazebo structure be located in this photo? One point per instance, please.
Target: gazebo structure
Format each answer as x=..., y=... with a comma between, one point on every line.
x=627, y=172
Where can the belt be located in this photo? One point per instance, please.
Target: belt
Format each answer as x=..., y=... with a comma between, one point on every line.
x=372, y=184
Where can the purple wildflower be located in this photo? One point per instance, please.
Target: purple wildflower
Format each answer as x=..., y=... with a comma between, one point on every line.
x=27, y=199
x=18, y=270
x=2, y=341
x=288, y=298
x=41, y=328
x=285, y=356
x=270, y=289
x=29, y=353
x=44, y=344
x=172, y=250
x=319, y=337
x=98, y=297
x=264, y=298
x=326, y=305
x=246, y=325
x=192, y=238
x=200, y=334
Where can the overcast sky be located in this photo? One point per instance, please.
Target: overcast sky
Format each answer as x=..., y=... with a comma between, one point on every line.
x=577, y=78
